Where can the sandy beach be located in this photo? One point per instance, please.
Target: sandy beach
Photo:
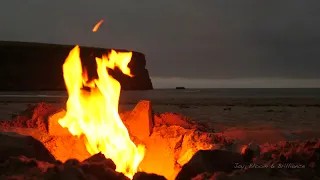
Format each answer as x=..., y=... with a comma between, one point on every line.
x=160, y=90
x=268, y=122
x=294, y=113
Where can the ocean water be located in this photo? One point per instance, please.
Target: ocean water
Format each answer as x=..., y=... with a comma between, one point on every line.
x=231, y=93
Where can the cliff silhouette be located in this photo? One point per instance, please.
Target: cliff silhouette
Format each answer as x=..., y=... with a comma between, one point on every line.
x=28, y=66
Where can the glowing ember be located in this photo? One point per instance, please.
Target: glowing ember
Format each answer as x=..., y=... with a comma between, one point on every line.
x=96, y=27
x=94, y=113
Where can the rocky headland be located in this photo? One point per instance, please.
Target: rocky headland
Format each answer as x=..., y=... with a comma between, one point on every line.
x=36, y=66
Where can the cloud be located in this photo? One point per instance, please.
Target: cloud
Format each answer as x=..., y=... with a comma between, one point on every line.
x=184, y=38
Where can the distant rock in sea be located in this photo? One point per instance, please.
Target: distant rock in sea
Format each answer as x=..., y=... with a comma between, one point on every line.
x=36, y=66
x=180, y=87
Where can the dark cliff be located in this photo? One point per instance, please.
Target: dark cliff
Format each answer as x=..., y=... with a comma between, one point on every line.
x=36, y=66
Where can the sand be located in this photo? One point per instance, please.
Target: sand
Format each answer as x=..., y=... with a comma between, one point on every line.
x=264, y=121
x=285, y=113
x=244, y=119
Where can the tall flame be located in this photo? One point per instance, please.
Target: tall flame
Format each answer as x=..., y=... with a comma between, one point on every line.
x=94, y=113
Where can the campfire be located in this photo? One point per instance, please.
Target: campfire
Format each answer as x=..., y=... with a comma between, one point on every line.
x=92, y=140
x=94, y=112
x=91, y=126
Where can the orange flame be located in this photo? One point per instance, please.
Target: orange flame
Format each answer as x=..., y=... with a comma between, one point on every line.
x=96, y=27
x=95, y=113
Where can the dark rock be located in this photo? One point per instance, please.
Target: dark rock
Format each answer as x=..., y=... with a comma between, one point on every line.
x=180, y=87
x=248, y=155
x=99, y=171
x=146, y=176
x=72, y=162
x=317, y=161
x=209, y=161
x=93, y=168
x=100, y=159
x=99, y=167
x=38, y=66
x=282, y=158
x=309, y=144
x=58, y=162
x=305, y=173
x=250, y=151
x=65, y=173
x=15, y=145
x=19, y=166
x=219, y=176
x=203, y=176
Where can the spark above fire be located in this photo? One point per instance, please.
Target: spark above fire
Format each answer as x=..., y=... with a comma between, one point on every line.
x=96, y=26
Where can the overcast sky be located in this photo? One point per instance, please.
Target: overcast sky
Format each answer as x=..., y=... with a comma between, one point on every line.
x=183, y=38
